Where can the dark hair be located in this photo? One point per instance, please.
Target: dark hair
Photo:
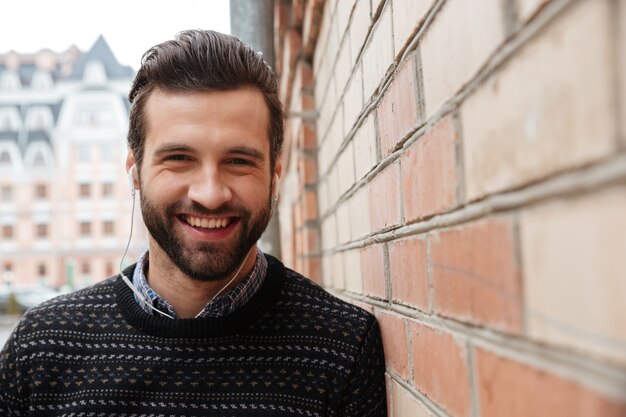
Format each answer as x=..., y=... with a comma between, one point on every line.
x=202, y=60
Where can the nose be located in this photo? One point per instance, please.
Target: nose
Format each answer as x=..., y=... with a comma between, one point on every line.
x=210, y=190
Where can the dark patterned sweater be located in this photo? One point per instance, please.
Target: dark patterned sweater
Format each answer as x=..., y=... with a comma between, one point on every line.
x=293, y=350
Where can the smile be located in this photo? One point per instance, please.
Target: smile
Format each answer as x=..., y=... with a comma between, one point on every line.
x=206, y=223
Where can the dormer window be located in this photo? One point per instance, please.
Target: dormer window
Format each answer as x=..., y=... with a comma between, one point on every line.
x=10, y=81
x=38, y=159
x=9, y=119
x=94, y=73
x=39, y=118
x=39, y=155
x=41, y=81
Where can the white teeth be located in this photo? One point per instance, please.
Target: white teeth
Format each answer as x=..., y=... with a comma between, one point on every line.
x=207, y=223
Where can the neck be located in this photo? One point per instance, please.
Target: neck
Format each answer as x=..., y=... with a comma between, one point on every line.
x=187, y=296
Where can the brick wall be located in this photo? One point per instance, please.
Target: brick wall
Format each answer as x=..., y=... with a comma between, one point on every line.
x=459, y=169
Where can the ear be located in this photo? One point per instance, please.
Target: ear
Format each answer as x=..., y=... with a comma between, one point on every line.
x=278, y=169
x=130, y=163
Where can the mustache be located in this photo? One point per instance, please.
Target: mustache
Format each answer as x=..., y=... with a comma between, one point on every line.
x=192, y=207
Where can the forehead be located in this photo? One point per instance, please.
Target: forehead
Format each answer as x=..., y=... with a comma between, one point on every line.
x=215, y=117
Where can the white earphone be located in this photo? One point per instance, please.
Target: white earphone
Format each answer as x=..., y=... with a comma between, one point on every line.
x=274, y=193
x=131, y=179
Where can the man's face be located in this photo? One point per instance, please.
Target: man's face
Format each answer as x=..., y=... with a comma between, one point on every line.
x=205, y=178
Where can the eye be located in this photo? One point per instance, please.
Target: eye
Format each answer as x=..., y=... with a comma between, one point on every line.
x=239, y=161
x=177, y=157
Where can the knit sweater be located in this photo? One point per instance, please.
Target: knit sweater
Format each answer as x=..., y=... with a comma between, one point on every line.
x=292, y=350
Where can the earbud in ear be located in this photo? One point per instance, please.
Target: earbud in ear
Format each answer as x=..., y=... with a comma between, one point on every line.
x=131, y=180
x=275, y=187
x=274, y=193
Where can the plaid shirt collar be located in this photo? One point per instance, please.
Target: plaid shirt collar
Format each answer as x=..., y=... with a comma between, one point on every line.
x=221, y=306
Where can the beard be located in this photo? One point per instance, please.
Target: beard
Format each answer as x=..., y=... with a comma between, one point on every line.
x=204, y=261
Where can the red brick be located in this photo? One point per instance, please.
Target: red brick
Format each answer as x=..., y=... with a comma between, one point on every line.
x=389, y=391
x=441, y=370
x=297, y=214
x=309, y=205
x=281, y=21
x=408, y=267
x=307, y=102
x=373, y=270
x=364, y=306
x=312, y=268
x=310, y=240
x=476, y=277
x=298, y=242
x=403, y=403
x=302, y=97
x=299, y=264
x=292, y=48
x=384, y=198
x=281, y=16
x=429, y=173
x=378, y=53
x=307, y=139
x=311, y=24
x=398, y=111
x=308, y=165
x=512, y=389
x=297, y=13
x=395, y=343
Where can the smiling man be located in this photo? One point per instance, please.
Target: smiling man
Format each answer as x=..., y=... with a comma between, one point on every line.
x=204, y=323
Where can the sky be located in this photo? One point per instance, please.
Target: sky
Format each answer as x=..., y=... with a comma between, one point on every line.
x=130, y=27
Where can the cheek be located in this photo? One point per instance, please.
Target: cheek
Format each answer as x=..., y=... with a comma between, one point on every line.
x=252, y=193
x=163, y=193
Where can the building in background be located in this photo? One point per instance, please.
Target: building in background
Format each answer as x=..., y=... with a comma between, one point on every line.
x=65, y=207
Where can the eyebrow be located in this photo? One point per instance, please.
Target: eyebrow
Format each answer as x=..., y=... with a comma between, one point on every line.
x=248, y=151
x=165, y=149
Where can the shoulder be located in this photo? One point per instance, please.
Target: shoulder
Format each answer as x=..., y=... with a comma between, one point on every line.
x=97, y=297
x=100, y=292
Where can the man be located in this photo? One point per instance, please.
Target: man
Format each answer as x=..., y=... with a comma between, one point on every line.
x=204, y=324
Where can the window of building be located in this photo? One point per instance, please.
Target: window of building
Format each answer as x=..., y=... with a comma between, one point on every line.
x=39, y=117
x=107, y=190
x=85, y=268
x=41, y=270
x=108, y=153
x=5, y=158
x=39, y=160
x=41, y=230
x=7, y=231
x=6, y=194
x=41, y=191
x=85, y=228
x=84, y=153
x=84, y=190
x=7, y=273
x=108, y=227
x=10, y=118
x=38, y=155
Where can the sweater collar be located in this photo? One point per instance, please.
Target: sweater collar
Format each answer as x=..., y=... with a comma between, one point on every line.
x=203, y=327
